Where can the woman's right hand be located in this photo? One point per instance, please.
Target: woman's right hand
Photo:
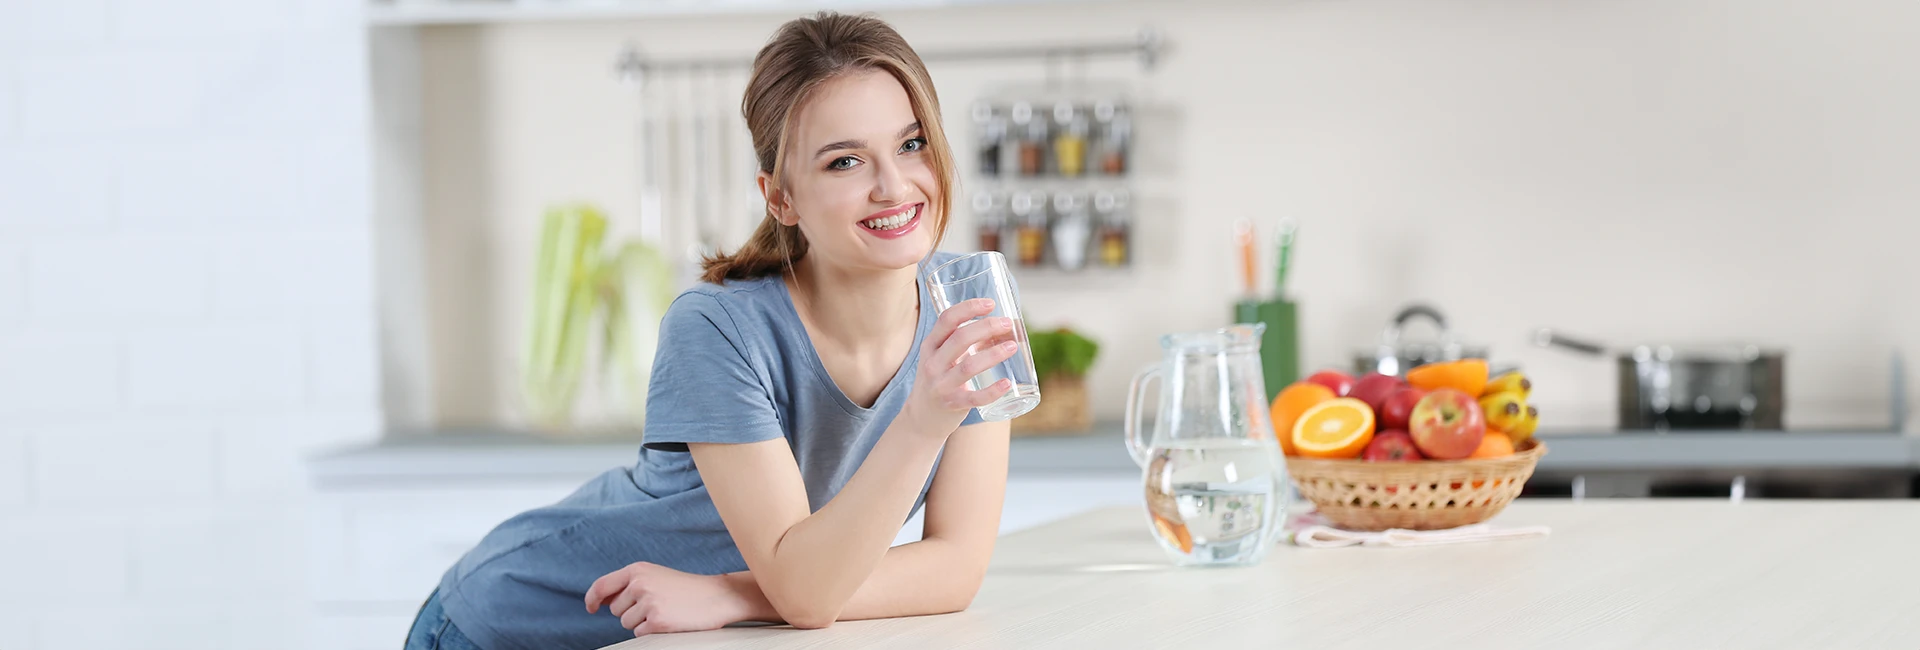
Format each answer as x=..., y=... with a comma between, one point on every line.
x=941, y=397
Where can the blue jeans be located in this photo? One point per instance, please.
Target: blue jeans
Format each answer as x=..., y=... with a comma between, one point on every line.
x=432, y=630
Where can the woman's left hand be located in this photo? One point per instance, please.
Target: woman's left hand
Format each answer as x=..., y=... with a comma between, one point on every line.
x=650, y=598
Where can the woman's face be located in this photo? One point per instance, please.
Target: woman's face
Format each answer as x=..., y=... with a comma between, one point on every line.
x=858, y=176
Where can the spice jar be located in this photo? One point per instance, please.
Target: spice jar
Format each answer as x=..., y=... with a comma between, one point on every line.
x=1115, y=127
x=989, y=212
x=1030, y=139
x=1030, y=230
x=1114, y=244
x=1072, y=228
x=1070, y=139
x=990, y=128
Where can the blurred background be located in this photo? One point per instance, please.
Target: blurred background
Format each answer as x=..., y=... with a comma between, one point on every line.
x=277, y=344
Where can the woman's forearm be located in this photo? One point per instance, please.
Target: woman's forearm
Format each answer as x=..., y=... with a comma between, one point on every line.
x=821, y=561
x=918, y=579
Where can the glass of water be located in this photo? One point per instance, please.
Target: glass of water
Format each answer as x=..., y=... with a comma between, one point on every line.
x=985, y=275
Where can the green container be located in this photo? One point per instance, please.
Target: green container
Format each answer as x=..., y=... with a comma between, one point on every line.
x=1280, y=345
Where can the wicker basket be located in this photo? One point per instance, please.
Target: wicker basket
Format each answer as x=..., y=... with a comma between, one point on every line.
x=1424, y=495
x=1064, y=408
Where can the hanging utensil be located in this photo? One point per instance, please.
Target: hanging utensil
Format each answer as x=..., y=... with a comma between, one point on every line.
x=1243, y=242
x=1283, y=256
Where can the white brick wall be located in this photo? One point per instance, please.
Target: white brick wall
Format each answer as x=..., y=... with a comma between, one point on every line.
x=223, y=367
x=95, y=281
x=69, y=374
x=54, y=188
x=186, y=309
x=13, y=286
x=9, y=130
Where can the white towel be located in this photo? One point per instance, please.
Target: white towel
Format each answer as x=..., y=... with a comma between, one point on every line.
x=1322, y=536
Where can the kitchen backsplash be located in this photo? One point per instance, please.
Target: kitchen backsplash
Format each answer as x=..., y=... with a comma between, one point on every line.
x=1616, y=170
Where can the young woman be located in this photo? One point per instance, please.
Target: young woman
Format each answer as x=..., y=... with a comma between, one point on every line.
x=801, y=398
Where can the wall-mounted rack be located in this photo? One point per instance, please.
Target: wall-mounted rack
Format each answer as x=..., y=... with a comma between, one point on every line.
x=1146, y=47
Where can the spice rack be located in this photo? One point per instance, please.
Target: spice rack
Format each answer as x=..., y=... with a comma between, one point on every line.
x=1052, y=179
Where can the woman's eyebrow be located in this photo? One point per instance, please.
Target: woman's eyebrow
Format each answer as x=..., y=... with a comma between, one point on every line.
x=861, y=144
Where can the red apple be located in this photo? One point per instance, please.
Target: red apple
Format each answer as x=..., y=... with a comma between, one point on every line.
x=1374, y=389
x=1447, y=424
x=1399, y=407
x=1392, y=446
x=1339, y=382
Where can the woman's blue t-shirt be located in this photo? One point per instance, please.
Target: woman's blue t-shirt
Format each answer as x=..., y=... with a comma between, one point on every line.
x=734, y=365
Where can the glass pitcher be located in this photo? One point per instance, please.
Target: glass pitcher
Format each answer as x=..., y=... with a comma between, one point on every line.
x=1215, y=479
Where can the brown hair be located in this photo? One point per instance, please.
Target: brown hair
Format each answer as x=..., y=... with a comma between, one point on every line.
x=803, y=54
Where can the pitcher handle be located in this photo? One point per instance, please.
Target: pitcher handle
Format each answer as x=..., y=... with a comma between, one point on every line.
x=1137, y=440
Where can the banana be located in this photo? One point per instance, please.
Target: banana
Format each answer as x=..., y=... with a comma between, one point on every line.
x=1510, y=382
x=1504, y=411
x=1525, y=429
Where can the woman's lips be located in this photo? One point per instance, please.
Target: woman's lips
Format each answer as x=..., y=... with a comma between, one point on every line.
x=896, y=223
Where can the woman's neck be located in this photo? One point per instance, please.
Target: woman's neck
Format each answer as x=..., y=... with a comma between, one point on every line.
x=856, y=305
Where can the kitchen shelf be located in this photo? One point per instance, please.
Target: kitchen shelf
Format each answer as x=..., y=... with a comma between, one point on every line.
x=472, y=12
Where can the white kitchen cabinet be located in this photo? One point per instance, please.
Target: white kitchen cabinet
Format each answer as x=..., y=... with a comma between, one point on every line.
x=389, y=520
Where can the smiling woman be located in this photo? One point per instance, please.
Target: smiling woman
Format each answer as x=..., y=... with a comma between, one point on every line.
x=844, y=101
x=806, y=399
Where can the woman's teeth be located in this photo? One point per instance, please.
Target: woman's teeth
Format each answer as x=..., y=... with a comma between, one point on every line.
x=895, y=221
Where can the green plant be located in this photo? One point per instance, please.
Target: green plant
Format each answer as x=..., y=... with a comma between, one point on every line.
x=1062, y=351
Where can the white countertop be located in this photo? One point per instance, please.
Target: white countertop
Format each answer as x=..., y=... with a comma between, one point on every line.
x=1614, y=574
x=485, y=455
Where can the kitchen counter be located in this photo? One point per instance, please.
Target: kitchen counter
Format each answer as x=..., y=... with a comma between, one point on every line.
x=492, y=455
x=1614, y=574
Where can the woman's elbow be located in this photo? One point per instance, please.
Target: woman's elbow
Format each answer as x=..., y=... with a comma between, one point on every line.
x=811, y=622
x=806, y=611
x=960, y=596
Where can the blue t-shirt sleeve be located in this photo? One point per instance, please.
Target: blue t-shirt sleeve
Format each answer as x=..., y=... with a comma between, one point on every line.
x=704, y=388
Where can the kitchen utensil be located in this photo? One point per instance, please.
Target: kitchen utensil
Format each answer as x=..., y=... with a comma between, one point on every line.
x=1283, y=256
x=703, y=151
x=1427, y=495
x=1395, y=356
x=1663, y=387
x=985, y=275
x=1249, y=258
x=1215, y=483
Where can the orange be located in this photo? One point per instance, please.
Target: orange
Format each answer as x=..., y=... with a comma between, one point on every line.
x=1336, y=428
x=1494, y=445
x=1466, y=375
x=1288, y=406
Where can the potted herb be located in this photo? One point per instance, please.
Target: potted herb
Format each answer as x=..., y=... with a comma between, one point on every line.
x=1061, y=359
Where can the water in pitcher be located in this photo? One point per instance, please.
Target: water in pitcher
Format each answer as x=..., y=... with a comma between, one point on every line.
x=1216, y=501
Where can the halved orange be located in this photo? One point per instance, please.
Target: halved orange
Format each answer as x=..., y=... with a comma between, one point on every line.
x=1293, y=401
x=1336, y=428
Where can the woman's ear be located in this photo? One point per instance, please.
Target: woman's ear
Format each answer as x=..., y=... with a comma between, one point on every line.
x=778, y=204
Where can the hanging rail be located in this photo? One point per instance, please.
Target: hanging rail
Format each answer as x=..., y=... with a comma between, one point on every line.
x=1147, y=46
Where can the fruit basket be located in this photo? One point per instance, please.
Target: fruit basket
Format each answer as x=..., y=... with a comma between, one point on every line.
x=1431, y=495
x=1446, y=446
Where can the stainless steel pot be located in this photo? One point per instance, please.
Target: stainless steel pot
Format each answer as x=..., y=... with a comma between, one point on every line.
x=1395, y=356
x=1667, y=387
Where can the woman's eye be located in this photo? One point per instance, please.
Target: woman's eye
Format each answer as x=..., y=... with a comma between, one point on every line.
x=842, y=163
x=913, y=145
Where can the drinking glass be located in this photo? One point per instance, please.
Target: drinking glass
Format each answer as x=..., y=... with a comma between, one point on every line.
x=985, y=275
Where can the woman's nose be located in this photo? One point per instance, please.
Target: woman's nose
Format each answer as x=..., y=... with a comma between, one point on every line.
x=889, y=184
